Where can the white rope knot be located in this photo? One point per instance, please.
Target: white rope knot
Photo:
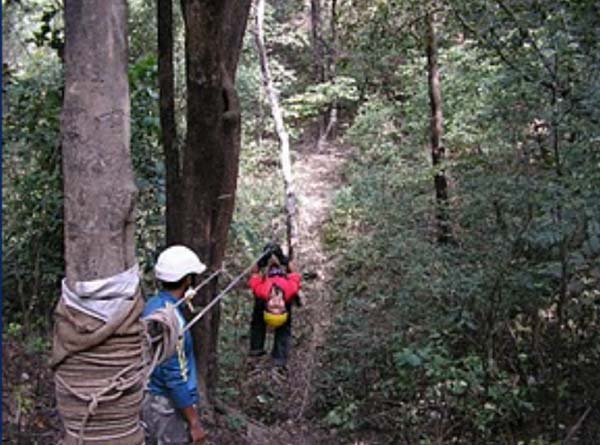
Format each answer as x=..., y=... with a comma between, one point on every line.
x=93, y=405
x=188, y=296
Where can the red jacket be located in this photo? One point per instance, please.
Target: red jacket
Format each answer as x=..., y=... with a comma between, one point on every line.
x=261, y=285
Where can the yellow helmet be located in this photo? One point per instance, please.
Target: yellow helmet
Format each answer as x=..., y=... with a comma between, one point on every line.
x=275, y=320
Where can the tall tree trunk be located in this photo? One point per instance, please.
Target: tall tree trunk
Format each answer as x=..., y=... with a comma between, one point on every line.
x=99, y=204
x=99, y=189
x=166, y=81
x=214, y=31
x=284, y=140
x=438, y=153
x=318, y=48
x=317, y=41
x=332, y=120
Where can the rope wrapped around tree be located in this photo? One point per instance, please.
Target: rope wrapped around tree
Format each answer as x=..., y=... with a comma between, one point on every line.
x=100, y=358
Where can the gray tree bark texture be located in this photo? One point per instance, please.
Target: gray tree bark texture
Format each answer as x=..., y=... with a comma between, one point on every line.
x=214, y=30
x=99, y=218
x=99, y=190
x=284, y=140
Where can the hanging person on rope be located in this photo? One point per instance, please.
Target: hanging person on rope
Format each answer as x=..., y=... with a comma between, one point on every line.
x=277, y=281
x=169, y=409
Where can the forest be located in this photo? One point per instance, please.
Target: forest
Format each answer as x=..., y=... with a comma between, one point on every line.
x=435, y=166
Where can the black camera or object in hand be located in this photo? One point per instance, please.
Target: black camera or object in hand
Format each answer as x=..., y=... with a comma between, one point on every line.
x=263, y=260
x=267, y=252
x=283, y=260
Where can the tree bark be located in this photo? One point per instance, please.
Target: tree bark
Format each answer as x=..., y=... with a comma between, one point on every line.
x=100, y=193
x=166, y=82
x=317, y=41
x=99, y=218
x=438, y=152
x=318, y=48
x=332, y=121
x=214, y=31
x=284, y=142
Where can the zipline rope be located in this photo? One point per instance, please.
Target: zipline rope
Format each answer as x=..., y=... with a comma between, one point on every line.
x=167, y=316
x=222, y=294
x=191, y=293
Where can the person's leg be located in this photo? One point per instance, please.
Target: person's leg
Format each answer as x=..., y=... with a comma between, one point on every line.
x=281, y=344
x=150, y=420
x=257, y=329
x=163, y=424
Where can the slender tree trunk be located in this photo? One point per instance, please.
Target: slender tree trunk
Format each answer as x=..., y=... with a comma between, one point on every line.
x=332, y=121
x=213, y=37
x=166, y=81
x=99, y=189
x=318, y=48
x=284, y=142
x=317, y=41
x=438, y=153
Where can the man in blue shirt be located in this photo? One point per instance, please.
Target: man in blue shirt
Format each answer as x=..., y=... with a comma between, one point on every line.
x=169, y=409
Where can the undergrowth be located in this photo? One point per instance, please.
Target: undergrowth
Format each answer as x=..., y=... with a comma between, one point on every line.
x=492, y=338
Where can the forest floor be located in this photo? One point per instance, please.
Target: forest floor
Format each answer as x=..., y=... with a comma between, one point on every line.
x=275, y=409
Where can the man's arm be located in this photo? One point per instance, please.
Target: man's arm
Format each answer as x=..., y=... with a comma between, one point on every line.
x=196, y=431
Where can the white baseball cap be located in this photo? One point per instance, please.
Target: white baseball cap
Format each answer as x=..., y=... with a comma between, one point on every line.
x=176, y=262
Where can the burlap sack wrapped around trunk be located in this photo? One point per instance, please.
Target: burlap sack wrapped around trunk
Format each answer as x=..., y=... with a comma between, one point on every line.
x=99, y=363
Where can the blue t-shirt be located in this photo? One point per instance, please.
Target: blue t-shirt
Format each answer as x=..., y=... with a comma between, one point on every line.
x=176, y=377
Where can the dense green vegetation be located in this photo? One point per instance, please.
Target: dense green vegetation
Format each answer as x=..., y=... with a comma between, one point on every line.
x=491, y=338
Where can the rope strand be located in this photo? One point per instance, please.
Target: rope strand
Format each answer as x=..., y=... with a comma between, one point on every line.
x=221, y=295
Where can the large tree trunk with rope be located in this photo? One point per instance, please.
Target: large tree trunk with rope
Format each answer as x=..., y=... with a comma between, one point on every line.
x=214, y=31
x=284, y=140
x=438, y=151
x=98, y=359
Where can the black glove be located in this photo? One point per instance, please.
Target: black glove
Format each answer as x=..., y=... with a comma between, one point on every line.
x=263, y=260
x=283, y=260
x=267, y=252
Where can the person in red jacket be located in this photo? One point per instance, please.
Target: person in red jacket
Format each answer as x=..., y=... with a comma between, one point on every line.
x=278, y=278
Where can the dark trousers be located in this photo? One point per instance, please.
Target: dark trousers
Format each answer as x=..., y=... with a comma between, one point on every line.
x=258, y=331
